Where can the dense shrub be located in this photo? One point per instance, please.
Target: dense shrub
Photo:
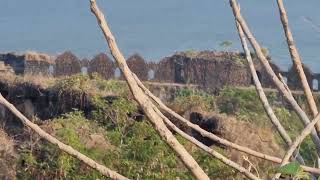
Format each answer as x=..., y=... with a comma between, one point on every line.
x=187, y=99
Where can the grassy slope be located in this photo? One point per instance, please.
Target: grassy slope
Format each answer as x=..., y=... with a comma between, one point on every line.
x=133, y=148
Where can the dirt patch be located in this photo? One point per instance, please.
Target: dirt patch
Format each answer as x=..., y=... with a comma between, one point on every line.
x=241, y=133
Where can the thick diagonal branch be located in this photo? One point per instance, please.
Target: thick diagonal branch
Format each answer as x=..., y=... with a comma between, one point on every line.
x=306, y=132
x=281, y=87
x=297, y=61
x=263, y=98
x=144, y=101
x=207, y=149
x=65, y=148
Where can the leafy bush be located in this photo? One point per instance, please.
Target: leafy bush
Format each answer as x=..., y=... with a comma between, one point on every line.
x=187, y=99
x=112, y=114
x=138, y=153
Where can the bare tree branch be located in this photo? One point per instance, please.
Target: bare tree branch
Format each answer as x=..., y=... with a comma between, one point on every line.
x=263, y=98
x=306, y=132
x=65, y=148
x=213, y=137
x=303, y=116
x=207, y=149
x=297, y=61
x=144, y=101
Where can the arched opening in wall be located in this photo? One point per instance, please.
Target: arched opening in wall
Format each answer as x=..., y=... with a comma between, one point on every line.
x=117, y=73
x=84, y=70
x=315, y=84
x=285, y=80
x=151, y=74
x=51, y=70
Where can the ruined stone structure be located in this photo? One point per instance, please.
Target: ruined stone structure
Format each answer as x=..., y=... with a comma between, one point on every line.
x=17, y=62
x=67, y=64
x=29, y=63
x=5, y=69
x=138, y=66
x=265, y=80
x=37, y=64
x=211, y=70
x=102, y=65
x=208, y=69
x=293, y=80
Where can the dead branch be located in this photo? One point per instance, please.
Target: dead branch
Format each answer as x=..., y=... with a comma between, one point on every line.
x=143, y=100
x=297, y=61
x=213, y=137
x=65, y=148
x=303, y=116
x=207, y=149
x=306, y=132
x=263, y=98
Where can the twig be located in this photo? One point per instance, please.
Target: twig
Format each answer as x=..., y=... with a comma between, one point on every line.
x=251, y=165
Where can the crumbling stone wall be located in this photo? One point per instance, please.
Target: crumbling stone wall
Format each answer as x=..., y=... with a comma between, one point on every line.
x=102, y=65
x=5, y=68
x=15, y=61
x=37, y=64
x=165, y=71
x=294, y=80
x=211, y=70
x=208, y=69
x=67, y=64
x=264, y=78
x=138, y=66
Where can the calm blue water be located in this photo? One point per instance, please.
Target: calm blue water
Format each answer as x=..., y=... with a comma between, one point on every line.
x=156, y=28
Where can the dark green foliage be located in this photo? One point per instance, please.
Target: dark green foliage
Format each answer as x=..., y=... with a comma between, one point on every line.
x=112, y=114
x=134, y=149
x=187, y=99
x=244, y=104
x=293, y=170
x=94, y=85
x=137, y=152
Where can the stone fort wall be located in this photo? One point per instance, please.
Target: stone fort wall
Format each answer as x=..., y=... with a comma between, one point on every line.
x=208, y=69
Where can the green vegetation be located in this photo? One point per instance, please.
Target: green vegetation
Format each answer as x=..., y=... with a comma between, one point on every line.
x=109, y=135
x=187, y=99
x=93, y=84
x=245, y=105
x=137, y=152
